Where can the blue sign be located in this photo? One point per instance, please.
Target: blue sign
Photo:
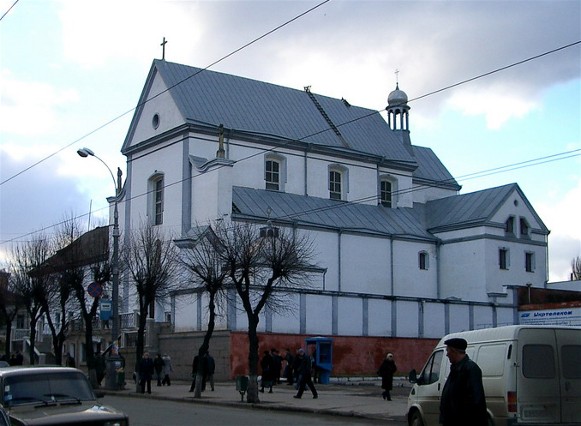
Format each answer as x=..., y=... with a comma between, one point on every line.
x=105, y=309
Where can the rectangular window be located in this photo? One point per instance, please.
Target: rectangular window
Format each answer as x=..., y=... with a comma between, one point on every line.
x=158, y=202
x=272, y=175
x=529, y=262
x=509, y=225
x=524, y=227
x=538, y=362
x=503, y=259
x=334, y=185
x=385, y=193
x=423, y=260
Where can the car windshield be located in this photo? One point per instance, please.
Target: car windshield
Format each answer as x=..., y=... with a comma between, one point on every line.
x=46, y=389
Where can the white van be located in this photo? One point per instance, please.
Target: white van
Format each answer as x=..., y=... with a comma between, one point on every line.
x=531, y=376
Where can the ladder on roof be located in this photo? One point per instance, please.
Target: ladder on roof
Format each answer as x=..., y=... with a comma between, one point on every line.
x=326, y=117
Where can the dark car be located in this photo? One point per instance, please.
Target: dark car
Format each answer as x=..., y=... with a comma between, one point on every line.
x=53, y=396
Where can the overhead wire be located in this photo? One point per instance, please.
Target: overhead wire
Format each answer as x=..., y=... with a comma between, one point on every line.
x=261, y=152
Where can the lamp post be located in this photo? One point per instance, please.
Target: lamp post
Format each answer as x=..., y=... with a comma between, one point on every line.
x=111, y=381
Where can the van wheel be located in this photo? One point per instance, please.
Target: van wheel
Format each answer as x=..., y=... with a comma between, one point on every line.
x=416, y=419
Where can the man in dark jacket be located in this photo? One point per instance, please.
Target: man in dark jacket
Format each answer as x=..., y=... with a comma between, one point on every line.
x=145, y=372
x=463, y=401
x=305, y=367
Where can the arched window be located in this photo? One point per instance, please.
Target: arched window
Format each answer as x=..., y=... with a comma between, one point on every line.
x=274, y=172
x=156, y=199
x=338, y=182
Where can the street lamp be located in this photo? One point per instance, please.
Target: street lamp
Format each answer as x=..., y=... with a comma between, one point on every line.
x=111, y=377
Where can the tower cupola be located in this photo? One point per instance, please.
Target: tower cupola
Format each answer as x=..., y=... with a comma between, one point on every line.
x=398, y=110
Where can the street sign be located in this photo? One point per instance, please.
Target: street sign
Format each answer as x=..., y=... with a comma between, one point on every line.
x=95, y=289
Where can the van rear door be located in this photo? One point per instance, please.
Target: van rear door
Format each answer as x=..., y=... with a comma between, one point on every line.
x=538, y=386
x=569, y=349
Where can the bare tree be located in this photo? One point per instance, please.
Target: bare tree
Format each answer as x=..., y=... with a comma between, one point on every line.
x=201, y=256
x=33, y=288
x=150, y=259
x=263, y=264
x=10, y=303
x=576, y=268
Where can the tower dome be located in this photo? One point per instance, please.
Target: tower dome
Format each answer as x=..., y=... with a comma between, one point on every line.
x=397, y=97
x=398, y=110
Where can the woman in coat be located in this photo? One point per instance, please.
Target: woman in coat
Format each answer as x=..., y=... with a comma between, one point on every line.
x=386, y=370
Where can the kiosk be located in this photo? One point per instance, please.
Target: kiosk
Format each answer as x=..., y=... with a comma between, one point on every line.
x=323, y=356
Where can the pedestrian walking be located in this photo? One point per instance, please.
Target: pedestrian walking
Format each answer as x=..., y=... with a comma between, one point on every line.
x=267, y=366
x=145, y=372
x=305, y=368
x=210, y=369
x=158, y=368
x=386, y=371
x=463, y=401
x=167, y=370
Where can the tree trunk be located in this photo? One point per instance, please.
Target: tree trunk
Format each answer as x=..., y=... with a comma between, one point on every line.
x=31, y=353
x=252, y=360
x=205, y=346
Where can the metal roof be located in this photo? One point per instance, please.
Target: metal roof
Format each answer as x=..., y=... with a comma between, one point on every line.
x=473, y=208
x=259, y=108
x=258, y=204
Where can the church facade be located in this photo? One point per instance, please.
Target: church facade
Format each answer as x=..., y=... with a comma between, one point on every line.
x=400, y=252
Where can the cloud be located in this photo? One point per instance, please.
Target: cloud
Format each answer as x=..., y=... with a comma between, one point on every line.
x=23, y=99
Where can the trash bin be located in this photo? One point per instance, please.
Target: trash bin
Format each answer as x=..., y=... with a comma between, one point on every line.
x=242, y=385
x=323, y=357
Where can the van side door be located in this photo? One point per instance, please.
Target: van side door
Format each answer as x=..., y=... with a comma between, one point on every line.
x=538, y=388
x=429, y=388
x=569, y=349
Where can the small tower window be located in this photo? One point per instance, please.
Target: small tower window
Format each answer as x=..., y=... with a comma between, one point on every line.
x=529, y=262
x=503, y=258
x=524, y=227
x=509, y=225
x=423, y=260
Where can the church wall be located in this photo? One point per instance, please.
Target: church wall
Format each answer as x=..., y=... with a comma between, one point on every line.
x=325, y=244
x=464, y=270
x=459, y=318
x=408, y=319
x=422, y=194
x=379, y=317
x=350, y=316
x=319, y=317
x=434, y=319
x=409, y=279
x=365, y=264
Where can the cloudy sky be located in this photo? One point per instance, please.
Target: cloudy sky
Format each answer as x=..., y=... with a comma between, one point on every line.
x=71, y=73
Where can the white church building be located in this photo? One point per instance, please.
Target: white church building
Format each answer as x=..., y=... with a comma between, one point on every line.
x=400, y=252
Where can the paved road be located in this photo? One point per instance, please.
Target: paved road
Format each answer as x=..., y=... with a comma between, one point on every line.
x=143, y=412
x=354, y=400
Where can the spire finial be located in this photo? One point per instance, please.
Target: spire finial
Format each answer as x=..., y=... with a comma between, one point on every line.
x=163, y=43
x=396, y=79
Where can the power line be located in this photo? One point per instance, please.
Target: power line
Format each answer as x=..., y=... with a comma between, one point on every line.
x=168, y=89
x=9, y=9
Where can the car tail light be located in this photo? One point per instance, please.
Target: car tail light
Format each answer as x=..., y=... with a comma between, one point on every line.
x=511, y=402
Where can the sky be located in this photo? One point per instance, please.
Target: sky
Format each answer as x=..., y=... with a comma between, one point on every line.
x=71, y=73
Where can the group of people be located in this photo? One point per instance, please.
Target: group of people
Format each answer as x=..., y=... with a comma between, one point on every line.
x=160, y=367
x=299, y=370
x=16, y=358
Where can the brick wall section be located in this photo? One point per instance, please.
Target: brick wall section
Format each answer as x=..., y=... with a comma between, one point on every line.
x=352, y=355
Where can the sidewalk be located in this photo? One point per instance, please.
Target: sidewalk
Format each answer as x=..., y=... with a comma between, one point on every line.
x=353, y=398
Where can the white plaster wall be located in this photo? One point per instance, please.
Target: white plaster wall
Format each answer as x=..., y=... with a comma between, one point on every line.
x=516, y=274
x=365, y=263
x=482, y=317
x=325, y=251
x=459, y=318
x=422, y=194
x=379, y=317
x=407, y=319
x=434, y=320
x=464, y=270
x=319, y=315
x=164, y=106
x=185, y=313
x=409, y=279
x=288, y=321
x=504, y=316
x=350, y=316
